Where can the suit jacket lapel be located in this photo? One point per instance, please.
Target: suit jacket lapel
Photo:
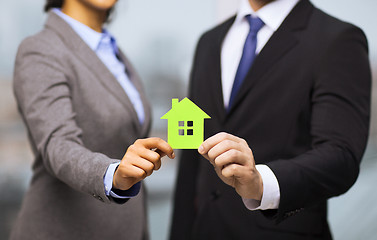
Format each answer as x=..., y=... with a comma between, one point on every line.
x=91, y=60
x=135, y=79
x=280, y=43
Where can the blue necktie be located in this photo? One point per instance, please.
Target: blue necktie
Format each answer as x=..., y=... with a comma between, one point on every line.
x=248, y=56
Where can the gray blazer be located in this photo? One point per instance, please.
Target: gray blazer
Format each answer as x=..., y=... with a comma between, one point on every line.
x=79, y=120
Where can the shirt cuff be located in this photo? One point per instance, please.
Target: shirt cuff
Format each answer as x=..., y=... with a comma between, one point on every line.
x=123, y=194
x=108, y=183
x=271, y=191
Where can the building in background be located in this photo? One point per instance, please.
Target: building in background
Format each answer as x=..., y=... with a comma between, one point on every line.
x=160, y=38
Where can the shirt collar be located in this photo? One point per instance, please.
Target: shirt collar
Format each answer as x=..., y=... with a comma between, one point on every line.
x=92, y=38
x=273, y=14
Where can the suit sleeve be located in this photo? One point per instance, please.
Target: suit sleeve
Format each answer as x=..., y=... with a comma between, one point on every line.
x=339, y=128
x=44, y=100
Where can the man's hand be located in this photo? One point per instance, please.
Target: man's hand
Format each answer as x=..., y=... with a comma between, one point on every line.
x=234, y=164
x=141, y=159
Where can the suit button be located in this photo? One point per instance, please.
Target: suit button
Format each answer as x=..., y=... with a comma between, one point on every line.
x=290, y=214
x=215, y=195
x=98, y=197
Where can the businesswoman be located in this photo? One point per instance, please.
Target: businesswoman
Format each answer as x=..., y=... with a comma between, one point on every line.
x=84, y=107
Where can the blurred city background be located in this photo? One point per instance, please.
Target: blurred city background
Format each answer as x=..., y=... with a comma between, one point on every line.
x=159, y=37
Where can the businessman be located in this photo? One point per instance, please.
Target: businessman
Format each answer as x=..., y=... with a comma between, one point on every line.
x=288, y=91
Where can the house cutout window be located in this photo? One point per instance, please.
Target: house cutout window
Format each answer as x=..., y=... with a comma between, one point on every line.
x=188, y=129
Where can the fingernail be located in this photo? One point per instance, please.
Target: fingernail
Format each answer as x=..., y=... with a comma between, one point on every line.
x=173, y=155
x=201, y=149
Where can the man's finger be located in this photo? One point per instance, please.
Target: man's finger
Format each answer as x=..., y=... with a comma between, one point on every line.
x=222, y=147
x=232, y=156
x=232, y=171
x=216, y=139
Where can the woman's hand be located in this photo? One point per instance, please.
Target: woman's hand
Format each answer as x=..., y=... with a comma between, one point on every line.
x=234, y=163
x=141, y=159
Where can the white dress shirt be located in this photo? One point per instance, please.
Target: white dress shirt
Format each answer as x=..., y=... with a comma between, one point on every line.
x=273, y=15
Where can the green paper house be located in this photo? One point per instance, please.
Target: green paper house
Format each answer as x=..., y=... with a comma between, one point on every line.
x=185, y=124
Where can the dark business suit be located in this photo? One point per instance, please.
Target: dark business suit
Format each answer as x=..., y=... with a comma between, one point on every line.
x=79, y=120
x=303, y=109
